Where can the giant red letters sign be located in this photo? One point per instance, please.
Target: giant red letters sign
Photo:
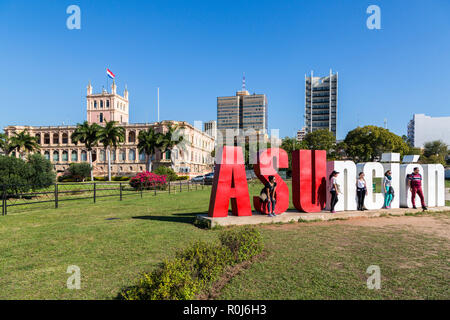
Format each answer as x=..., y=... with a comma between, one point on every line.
x=230, y=183
x=309, y=182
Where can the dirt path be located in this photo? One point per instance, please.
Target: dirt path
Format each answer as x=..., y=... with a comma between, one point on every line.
x=433, y=225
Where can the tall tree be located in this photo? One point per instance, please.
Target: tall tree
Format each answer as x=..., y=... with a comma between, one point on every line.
x=88, y=135
x=369, y=142
x=435, y=152
x=321, y=139
x=148, y=141
x=24, y=143
x=111, y=136
x=170, y=140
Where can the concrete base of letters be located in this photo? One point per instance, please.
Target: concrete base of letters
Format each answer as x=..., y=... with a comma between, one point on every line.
x=296, y=216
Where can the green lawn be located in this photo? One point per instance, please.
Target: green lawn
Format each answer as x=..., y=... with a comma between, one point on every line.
x=447, y=183
x=306, y=261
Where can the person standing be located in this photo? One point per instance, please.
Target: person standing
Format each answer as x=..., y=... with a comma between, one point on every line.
x=388, y=191
x=361, y=191
x=269, y=190
x=415, y=186
x=334, y=190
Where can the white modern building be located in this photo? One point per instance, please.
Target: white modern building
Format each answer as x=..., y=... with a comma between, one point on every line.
x=423, y=128
x=321, y=101
x=210, y=128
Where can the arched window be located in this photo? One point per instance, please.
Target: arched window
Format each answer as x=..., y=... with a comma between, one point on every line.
x=65, y=156
x=107, y=103
x=131, y=155
x=74, y=156
x=102, y=155
x=83, y=156
x=95, y=104
x=65, y=138
x=47, y=155
x=167, y=154
x=55, y=156
x=122, y=155
x=141, y=156
x=46, y=138
x=101, y=117
x=131, y=136
x=101, y=104
x=38, y=138
x=55, y=138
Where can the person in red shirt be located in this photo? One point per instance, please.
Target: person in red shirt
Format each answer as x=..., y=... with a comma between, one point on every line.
x=415, y=185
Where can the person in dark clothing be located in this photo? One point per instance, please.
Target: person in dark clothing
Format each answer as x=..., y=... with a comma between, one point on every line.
x=361, y=190
x=334, y=190
x=270, y=189
x=415, y=186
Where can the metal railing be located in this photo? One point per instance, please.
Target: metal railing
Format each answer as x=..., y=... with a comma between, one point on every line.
x=27, y=196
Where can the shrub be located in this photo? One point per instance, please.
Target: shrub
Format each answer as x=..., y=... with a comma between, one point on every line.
x=147, y=180
x=80, y=171
x=172, y=281
x=100, y=179
x=194, y=269
x=42, y=174
x=120, y=178
x=166, y=171
x=244, y=242
x=208, y=260
x=15, y=173
x=182, y=177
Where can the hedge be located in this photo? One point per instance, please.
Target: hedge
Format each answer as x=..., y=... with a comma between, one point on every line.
x=196, y=268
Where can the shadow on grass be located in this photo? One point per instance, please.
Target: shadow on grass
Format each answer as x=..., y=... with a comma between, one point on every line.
x=188, y=218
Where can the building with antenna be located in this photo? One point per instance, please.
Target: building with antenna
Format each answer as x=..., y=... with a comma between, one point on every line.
x=191, y=157
x=243, y=112
x=321, y=102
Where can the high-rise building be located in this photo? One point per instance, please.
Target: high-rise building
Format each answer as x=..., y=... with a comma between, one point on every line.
x=321, y=101
x=210, y=128
x=422, y=129
x=243, y=112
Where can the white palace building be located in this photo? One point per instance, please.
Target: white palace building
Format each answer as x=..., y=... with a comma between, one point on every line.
x=191, y=157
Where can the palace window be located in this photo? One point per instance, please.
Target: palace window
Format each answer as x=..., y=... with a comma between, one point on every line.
x=102, y=155
x=55, y=138
x=65, y=138
x=47, y=155
x=131, y=155
x=83, y=156
x=55, y=156
x=65, y=156
x=122, y=155
x=107, y=103
x=74, y=156
x=131, y=135
x=38, y=138
x=95, y=104
x=101, y=104
x=141, y=156
x=46, y=138
x=101, y=117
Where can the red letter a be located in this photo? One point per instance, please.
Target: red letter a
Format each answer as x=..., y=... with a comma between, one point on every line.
x=309, y=180
x=230, y=182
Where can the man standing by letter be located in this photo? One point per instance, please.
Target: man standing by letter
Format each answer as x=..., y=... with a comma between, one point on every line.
x=415, y=185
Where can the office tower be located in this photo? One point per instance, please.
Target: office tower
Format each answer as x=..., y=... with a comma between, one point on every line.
x=321, y=96
x=422, y=129
x=243, y=111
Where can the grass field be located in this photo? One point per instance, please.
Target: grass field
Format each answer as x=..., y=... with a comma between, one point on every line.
x=112, y=241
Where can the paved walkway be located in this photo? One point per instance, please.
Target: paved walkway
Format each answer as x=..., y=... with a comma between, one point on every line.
x=288, y=216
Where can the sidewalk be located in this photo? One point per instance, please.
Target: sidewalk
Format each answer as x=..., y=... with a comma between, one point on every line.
x=289, y=216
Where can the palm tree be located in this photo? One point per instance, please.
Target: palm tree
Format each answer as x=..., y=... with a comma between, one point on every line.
x=169, y=141
x=148, y=141
x=23, y=143
x=111, y=136
x=88, y=134
x=5, y=144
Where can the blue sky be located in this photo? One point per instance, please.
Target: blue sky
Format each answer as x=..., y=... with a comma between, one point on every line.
x=197, y=50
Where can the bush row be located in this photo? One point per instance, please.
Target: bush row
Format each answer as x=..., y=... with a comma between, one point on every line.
x=195, y=269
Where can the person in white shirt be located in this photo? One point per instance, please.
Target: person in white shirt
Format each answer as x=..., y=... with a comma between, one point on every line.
x=361, y=191
x=334, y=190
